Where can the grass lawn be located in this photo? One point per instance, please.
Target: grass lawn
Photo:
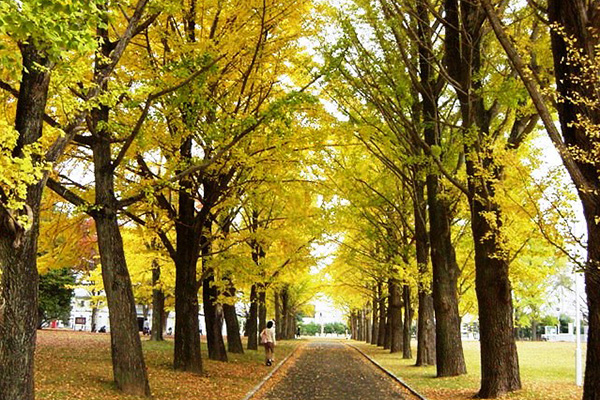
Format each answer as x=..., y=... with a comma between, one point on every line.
x=77, y=365
x=547, y=372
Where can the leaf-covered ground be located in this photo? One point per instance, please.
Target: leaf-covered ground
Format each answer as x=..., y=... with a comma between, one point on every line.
x=77, y=365
x=327, y=369
x=547, y=372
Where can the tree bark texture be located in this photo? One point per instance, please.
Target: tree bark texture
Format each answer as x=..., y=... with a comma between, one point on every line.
x=448, y=343
x=381, y=336
x=213, y=312
x=499, y=360
x=291, y=323
x=425, y=322
x=187, y=356
x=213, y=317
x=18, y=248
x=234, y=339
x=277, y=306
x=368, y=327
x=580, y=20
x=285, y=310
x=375, y=320
x=395, y=315
x=129, y=368
x=251, y=323
x=158, y=305
x=262, y=308
x=128, y=363
x=406, y=332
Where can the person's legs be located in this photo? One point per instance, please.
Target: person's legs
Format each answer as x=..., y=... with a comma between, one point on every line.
x=269, y=350
x=267, y=353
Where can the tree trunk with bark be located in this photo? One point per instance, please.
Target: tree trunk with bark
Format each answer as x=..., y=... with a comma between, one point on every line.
x=448, y=343
x=285, y=309
x=251, y=323
x=213, y=312
x=375, y=320
x=213, y=317
x=234, y=340
x=395, y=316
x=277, y=305
x=129, y=368
x=381, y=336
x=262, y=308
x=580, y=19
x=94, y=318
x=187, y=356
x=499, y=360
x=406, y=333
x=158, y=305
x=425, y=322
x=18, y=247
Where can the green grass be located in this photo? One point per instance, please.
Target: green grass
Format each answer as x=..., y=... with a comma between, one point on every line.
x=547, y=372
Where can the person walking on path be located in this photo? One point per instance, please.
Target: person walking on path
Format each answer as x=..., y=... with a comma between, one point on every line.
x=267, y=338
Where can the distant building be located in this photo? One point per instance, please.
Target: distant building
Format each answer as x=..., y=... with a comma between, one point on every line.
x=86, y=317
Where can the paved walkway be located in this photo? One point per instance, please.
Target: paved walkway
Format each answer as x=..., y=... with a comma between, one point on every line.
x=330, y=370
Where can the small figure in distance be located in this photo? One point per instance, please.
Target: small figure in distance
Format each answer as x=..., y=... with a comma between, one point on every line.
x=267, y=339
x=298, y=333
x=102, y=330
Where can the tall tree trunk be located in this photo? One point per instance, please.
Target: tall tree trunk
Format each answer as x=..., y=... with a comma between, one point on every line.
x=187, y=356
x=406, y=334
x=388, y=327
x=129, y=369
x=426, y=331
x=262, y=308
x=277, y=301
x=213, y=312
x=578, y=87
x=591, y=386
x=158, y=304
x=425, y=322
x=290, y=323
x=18, y=248
x=94, y=318
x=450, y=359
x=234, y=340
x=18, y=309
x=375, y=315
x=381, y=336
x=363, y=324
x=534, y=325
x=285, y=304
x=395, y=316
x=499, y=360
x=251, y=323
x=368, y=328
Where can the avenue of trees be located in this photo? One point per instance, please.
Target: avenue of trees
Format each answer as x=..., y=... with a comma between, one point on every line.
x=178, y=153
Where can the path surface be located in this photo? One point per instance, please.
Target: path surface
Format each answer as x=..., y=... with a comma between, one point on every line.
x=331, y=370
